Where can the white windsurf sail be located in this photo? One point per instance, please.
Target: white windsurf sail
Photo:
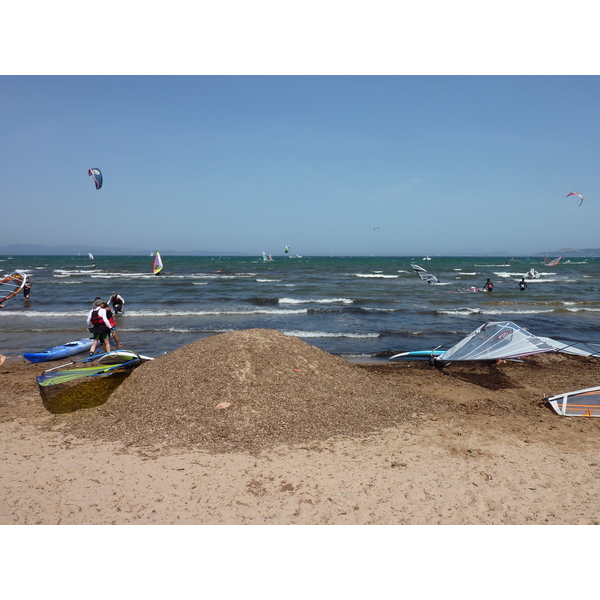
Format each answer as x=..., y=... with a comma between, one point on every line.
x=158, y=265
x=494, y=341
x=581, y=403
x=424, y=275
x=577, y=348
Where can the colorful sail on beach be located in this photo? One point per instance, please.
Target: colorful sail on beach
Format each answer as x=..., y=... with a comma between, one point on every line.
x=580, y=403
x=158, y=265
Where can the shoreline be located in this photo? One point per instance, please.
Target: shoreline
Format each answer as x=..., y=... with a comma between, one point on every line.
x=471, y=454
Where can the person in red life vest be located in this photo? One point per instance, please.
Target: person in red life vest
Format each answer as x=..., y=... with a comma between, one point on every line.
x=99, y=325
x=113, y=329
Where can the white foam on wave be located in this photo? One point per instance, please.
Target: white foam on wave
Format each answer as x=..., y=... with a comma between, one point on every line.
x=493, y=311
x=375, y=276
x=160, y=313
x=215, y=313
x=328, y=334
x=315, y=301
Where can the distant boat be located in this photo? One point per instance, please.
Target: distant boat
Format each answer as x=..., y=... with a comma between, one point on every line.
x=554, y=262
x=427, y=258
x=158, y=265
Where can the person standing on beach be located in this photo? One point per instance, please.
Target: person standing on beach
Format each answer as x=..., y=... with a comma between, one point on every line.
x=522, y=284
x=99, y=325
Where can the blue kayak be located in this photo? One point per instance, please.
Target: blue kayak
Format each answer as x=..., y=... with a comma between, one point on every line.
x=57, y=352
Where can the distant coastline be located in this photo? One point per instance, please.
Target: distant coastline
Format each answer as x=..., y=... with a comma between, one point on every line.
x=74, y=249
x=71, y=250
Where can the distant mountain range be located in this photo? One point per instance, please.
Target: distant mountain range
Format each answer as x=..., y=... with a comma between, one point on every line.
x=572, y=253
x=71, y=250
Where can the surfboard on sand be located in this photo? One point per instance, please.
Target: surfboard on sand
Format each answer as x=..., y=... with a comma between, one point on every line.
x=418, y=354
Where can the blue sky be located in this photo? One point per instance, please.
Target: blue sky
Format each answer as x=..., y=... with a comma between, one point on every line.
x=457, y=164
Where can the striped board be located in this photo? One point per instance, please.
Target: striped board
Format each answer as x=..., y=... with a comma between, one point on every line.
x=120, y=356
x=580, y=403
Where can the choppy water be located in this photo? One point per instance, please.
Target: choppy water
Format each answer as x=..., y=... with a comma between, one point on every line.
x=363, y=307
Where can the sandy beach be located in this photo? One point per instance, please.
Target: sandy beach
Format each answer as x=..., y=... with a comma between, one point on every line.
x=476, y=445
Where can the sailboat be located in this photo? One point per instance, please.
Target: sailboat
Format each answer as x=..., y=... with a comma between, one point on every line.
x=157, y=264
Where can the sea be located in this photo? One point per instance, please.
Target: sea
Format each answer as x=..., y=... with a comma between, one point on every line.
x=361, y=308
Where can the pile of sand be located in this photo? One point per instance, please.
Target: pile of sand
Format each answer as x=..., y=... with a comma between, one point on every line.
x=245, y=391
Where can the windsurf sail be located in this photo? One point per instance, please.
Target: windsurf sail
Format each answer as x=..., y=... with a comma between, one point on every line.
x=580, y=403
x=424, y=275
x=494, y=341
x=577, y=348
x=11, y=285
x=554, y=262
x=287, y=249
x=97, y=175
x=158, y=265
x=91, y=256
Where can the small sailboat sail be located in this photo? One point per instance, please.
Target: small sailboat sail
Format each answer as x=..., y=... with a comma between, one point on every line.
x=554, y=262
x=424, y=275
x=91, y=256
x=11, y=285
x=494, y=341
x=158, y=265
